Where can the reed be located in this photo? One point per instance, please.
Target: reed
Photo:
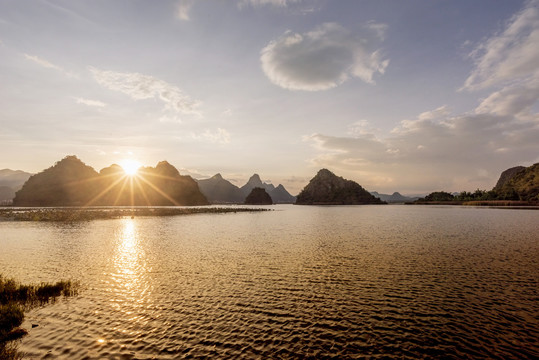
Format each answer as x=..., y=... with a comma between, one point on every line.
x=15, y=298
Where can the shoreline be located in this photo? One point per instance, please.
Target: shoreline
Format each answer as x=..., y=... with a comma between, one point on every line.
x=68, y=214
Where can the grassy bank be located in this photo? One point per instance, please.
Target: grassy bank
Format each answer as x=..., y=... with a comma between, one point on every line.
x=495, y=203
x=83, y=214
x=15, y=298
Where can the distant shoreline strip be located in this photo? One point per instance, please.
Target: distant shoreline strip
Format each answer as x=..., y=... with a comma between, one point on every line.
x=86, y=214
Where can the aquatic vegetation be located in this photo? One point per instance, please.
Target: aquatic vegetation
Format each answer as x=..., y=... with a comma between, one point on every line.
x=85, y=214
x=15, y=298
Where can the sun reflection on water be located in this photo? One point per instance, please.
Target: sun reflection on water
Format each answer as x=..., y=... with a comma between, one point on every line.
x=131, y=267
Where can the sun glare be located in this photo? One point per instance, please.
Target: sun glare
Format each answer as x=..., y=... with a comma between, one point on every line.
x=130, y=166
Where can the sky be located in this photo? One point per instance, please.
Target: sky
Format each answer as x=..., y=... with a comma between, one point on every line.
x=411, y=96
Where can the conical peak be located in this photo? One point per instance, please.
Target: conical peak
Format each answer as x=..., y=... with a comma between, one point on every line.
x=165, y=168
x=217, y=176
x=325, y=172
x=255, y=178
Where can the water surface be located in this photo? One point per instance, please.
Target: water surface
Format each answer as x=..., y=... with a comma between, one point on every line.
x=299, y=282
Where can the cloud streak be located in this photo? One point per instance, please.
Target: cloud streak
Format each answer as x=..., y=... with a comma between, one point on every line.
x=46, y=64
x=510, y=55
x=88, y=102
x=323, y=58
x=276, y=3
x=140, y=87
x=219, y=136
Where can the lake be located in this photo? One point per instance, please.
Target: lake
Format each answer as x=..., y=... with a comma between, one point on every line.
x=341, y=282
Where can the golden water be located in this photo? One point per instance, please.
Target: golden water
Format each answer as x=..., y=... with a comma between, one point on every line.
x=298, y=282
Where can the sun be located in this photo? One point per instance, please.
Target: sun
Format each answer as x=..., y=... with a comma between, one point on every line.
x=130, y=166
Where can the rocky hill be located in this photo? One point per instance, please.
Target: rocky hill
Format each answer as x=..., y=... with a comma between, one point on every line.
x=506, y=176
x=70, y=182
x=220, y=191
x=255, y=181
x=328, y=189
x=280, y=195
x=258, y=196
x=519, y=183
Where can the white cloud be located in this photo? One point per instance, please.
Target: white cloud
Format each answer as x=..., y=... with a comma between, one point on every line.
x=323, y=58
x=140, y=87
x=46, y=64
x=183, y=9
x=515, y=100
x=219, y=136
x=510, y=55
x=89, y=102
x=438, y=113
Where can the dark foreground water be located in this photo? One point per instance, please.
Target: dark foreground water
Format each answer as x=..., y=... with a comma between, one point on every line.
x=298, y=282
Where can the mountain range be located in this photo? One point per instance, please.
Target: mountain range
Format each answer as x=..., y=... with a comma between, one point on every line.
x=10, y=182
x=396, y=197
x=70, y=182
x=220, y=191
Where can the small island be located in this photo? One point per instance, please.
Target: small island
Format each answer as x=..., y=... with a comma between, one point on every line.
x=258, y=196
x=326, y=188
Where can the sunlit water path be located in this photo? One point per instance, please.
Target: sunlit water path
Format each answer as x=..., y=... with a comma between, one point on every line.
x=298, y=282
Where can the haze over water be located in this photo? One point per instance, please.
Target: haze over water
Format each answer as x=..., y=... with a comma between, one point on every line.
x=298, y=282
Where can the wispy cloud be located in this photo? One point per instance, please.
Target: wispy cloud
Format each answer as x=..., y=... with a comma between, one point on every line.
x=183, y=8
x=140, y=87
x=277, y=3
x=510, y=55
x=219, y=136
x=88, y=102
x=322, y=59
x=47, y=64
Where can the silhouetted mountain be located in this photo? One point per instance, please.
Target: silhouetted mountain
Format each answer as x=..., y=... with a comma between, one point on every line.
x=254, y=181
x=519, y=183
x=70, y=182
x=220, y=191
x=280, y=195
x=393, y=198
x=328, y=189
x=258, y=196
x=13, y=178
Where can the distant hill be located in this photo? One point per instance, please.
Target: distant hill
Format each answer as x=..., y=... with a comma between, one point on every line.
x=280, y=195
x=10, y=182
x=6, y=193
x=254, y=181
x=258, y=196
x=13, y=178
x=220, y=191
x=519, y=183
x=70, y=182
x=328, y=189
x=393, y=198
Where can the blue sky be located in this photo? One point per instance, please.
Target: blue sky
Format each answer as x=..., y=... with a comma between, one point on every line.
x=409, y=96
